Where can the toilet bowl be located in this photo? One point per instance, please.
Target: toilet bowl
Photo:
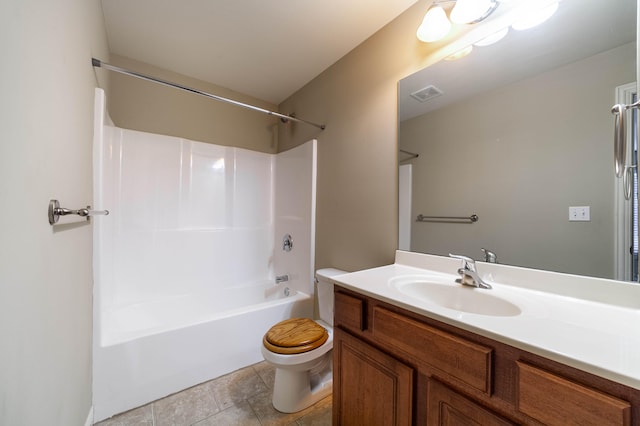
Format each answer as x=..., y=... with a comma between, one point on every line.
x=301, y=351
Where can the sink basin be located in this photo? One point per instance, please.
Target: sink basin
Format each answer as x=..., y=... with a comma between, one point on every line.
x=455, y=296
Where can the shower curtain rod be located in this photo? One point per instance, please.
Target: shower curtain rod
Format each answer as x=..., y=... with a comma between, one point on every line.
x=411, y=154
x=98, y=63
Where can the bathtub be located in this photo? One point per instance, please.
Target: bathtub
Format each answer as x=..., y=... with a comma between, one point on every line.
x=184, y=264
x=153, y=349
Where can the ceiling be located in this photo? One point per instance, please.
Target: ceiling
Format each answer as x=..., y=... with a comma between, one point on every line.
x=579, y=29
x=266, y=49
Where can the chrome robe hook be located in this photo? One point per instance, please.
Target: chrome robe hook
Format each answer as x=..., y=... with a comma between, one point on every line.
x=55, y=211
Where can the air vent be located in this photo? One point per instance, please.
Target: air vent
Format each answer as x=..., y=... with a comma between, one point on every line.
x=426, y=93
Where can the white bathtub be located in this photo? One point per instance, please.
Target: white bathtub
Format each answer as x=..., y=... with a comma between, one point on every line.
x=136, y=320
x=153, y=349
x=181, y=262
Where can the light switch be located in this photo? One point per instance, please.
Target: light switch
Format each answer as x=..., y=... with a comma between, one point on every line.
x=580, y=214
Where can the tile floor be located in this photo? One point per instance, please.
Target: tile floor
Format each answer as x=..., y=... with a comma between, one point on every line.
x=240, y=398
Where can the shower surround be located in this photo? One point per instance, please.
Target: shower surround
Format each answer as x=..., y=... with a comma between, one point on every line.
x=185, y=263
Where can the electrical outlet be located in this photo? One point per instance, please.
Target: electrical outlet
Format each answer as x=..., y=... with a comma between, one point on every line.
x=580, y=214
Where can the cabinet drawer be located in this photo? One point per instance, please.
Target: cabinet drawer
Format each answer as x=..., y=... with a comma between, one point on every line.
x=555, y=400
x=349, y=311
x=459, y=358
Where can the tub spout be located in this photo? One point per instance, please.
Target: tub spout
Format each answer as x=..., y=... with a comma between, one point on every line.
x=281, y=278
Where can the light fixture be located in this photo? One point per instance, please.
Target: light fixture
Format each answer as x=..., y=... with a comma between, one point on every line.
x=435, y=25
x=536, y=17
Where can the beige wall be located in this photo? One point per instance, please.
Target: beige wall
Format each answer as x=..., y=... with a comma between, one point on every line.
x=141, y=105
x=518, y=157
x=47, y=85
x=357, y=153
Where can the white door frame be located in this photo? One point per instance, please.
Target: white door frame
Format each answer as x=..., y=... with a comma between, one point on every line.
x=404, y=206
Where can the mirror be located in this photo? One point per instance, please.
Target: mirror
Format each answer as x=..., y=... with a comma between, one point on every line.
x=522, y=132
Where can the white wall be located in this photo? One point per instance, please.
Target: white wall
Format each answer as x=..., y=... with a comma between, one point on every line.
x=185, y=216
x=295, y=214
x=46, y=128
x=189, y=217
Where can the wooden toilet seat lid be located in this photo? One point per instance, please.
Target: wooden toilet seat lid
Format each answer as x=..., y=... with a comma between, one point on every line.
x=294, y=336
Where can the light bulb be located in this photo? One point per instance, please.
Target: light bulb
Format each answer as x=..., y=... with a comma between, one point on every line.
x=536, y=17
x=466, y=11
x=435, y=25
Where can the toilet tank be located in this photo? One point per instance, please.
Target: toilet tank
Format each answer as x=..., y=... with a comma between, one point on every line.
x=325, y=293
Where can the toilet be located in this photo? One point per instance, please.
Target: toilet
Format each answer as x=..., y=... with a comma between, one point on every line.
x=301, y=351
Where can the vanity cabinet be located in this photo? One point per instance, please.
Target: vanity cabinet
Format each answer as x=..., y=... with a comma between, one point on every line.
x=447, y=407
x=377, y=388
x=395, y=367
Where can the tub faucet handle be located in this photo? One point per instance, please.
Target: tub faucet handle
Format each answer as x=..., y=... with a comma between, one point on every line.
x=489, y=256
x=287, y=243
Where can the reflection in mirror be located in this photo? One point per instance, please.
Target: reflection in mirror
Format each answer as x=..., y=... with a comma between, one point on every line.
x=521, y=133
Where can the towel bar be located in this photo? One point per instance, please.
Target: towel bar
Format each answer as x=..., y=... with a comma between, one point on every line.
x=450, y=219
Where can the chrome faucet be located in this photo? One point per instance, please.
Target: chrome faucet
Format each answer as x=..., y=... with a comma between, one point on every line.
x=281, y=278
x=468, y=273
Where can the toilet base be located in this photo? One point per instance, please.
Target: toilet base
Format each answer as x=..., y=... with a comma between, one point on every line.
x=294, y=391
x=302, y=379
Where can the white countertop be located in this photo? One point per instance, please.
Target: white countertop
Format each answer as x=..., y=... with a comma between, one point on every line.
x=588, y=323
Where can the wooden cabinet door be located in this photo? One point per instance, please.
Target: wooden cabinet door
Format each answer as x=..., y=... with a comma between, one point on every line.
x=448, y=408
x=370, y=387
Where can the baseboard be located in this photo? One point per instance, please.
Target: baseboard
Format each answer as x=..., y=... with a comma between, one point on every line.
x=89, y=421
